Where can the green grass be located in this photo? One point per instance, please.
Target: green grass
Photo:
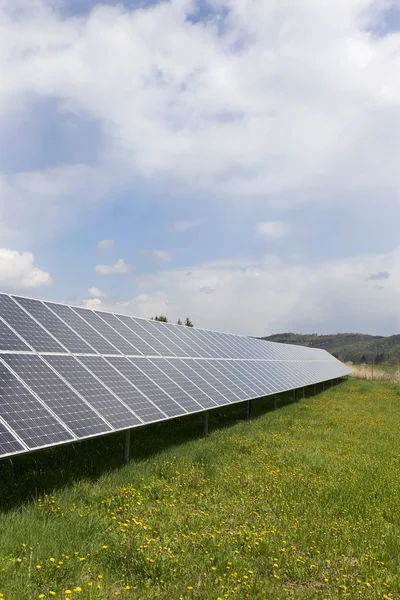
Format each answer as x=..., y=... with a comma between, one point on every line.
x=304, y=502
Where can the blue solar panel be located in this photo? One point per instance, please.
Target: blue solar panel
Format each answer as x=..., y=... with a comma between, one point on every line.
x=8, y=442
x=90, y=335
x=57, y=395
x=10, y=341
x=26, y=416
x=26, y=327
x=70, y=373
x=64, y=334
x=93, y=391
x=141, y=405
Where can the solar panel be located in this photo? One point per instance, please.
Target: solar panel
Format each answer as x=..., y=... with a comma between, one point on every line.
x=158, y=329
x=8, y=442
x=186, y=383
x=202, y=368
x=112, y=336
x=9, y=340
x=157, y=348
x=126, y=391
x=26, y=327
x=26, y=415
x=69, y=339
x=69, y=373
x=149, y=388
x=56, y=395
x=140, y=347
x=179, y=395
x=217, y=368
x=89, y=387
x=188, y=368
x=90, y=335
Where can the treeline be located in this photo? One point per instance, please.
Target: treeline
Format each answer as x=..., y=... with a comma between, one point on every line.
x=348, y=347
x=163, y=319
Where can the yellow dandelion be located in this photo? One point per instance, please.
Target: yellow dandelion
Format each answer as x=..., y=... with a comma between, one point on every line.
x=52, y=559
x=38, y=567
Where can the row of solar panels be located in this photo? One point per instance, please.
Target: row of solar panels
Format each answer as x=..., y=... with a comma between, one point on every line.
x=27, y=325
x=51, y=399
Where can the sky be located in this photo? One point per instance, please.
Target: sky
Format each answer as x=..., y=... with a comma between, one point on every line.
x=234, y=161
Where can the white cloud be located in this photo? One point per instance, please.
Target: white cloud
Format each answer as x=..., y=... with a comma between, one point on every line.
x=272, y=105
x=120, y=267
x=105, y=244
x=273, y=229
x=94, y=292
x=94, y=303
x=269, y=297
x=188, y=224
x=18, y=271
x=162, y=255
x=274, y=108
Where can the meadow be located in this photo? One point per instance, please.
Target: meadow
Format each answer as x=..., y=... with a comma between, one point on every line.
x=303, y=502
x=382, y=372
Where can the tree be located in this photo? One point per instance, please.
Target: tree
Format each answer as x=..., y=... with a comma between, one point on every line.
x=179, y=322
x=188, y=322
x=160, y=318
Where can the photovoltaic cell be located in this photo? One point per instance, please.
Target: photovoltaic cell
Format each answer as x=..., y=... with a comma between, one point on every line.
x=137, y=339
x=159, y=342
x=108, y=332
x=162, y=333
x=9, y=341
x=158, y=347
x=214, y=378
x=147, y=386
x=54, y=325
x=167, y=385
x=30, y=420
x=26, y=327
x=231, y=381
x=57, y=395
x=185, y=383
x=190, y=345
x=91, y=336
x=8, y=443
x=242, y=377
x=93, y=391
x=124, y=389
x=127, y=333
x=188, y=368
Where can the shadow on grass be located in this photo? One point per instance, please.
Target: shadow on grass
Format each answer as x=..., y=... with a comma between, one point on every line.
x=27, y=476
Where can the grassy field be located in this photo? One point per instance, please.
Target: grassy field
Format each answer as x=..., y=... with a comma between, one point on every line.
x=384, y=372
x=304, y=502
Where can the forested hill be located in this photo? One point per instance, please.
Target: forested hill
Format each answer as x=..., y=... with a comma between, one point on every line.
x=356, y=347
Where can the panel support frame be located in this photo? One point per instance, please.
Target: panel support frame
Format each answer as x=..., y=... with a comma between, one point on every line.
x=127, y=446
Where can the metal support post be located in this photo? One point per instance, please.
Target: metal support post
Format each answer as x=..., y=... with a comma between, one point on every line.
x=294, y=396
x=323, y=386
x=127, y=446
x=315, y=389
x=275, y=401
x=206, y=423
x=304, y=392
x=248, y=410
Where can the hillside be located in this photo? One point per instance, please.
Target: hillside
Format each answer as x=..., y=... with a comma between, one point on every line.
x=356, y=347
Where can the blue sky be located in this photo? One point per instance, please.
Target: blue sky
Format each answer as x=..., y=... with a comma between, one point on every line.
x=241, y=156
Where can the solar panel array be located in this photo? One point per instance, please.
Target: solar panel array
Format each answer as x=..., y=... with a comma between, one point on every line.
x=70, y=373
